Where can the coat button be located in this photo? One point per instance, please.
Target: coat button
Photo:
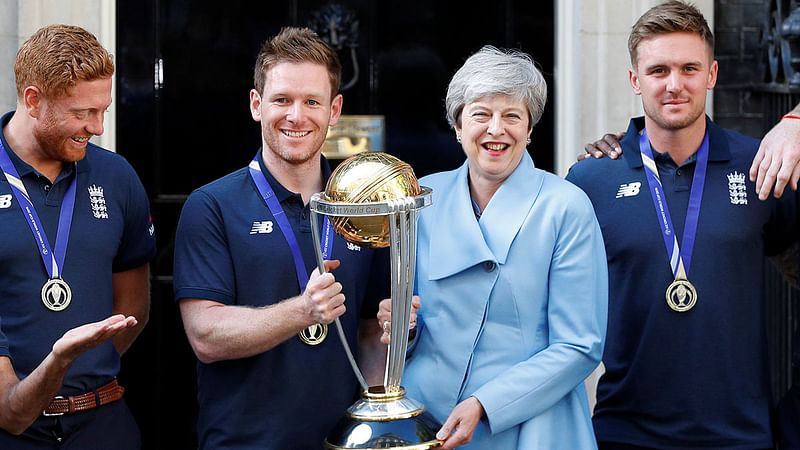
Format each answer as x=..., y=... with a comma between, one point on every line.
x=489, y=266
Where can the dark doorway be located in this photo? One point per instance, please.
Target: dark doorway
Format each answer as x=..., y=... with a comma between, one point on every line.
x=184, y=73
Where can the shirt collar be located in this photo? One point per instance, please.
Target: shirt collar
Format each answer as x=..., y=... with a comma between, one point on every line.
x=281, y=192
x=665, y=159
x=717, y=142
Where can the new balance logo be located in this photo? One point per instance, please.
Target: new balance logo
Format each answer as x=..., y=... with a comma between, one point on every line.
x=261, y=227
x=5, y=200
x=353, y=247
x=629, y=189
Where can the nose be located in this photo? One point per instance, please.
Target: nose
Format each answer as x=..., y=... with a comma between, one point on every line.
x=95, y=124
x=295, y=112
x=674, y=82
x=495, y=125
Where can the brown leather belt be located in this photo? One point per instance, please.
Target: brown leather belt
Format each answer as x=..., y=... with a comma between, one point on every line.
x=105, y=394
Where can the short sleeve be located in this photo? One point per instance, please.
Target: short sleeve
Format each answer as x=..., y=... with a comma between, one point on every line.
x=203, y=265
x=4, y=350
x=138, y=244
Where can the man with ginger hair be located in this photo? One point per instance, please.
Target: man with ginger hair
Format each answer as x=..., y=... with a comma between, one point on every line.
x=686, y=353
x=77, y=241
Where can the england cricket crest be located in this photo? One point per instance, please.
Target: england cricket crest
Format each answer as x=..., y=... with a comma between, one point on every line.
x=737, y=188
x=98, y=202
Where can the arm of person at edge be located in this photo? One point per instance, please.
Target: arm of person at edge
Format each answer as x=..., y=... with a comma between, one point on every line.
x=220, y=332
x=776, y=163
x=131, y=298
x=22, y=401
x=608, y=145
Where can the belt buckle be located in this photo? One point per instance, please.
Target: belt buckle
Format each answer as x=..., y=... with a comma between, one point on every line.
x=46, y=414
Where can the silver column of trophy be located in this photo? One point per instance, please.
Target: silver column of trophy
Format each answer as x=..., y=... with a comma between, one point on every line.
x=373, y=200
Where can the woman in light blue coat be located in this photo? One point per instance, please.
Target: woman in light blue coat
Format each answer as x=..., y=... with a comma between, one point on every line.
x=511, y=270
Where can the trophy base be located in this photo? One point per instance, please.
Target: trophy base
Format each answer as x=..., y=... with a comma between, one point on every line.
x=381, y=420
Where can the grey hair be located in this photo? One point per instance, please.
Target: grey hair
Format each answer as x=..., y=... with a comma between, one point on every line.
x=492, y=71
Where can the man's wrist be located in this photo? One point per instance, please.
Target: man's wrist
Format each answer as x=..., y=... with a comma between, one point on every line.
x=59, y=361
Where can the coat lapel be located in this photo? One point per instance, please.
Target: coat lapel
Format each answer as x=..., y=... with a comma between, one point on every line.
x=458, y=240
x=510, y=205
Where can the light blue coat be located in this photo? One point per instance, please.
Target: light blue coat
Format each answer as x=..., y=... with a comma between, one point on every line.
x=514, y=308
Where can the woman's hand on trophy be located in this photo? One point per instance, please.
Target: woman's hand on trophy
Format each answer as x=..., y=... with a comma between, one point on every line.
x=460, y=425
x=323, y=296
x=385, y=316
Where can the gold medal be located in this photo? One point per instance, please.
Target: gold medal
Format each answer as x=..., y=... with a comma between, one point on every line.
x=56, y=294
x=314, y=335
x=681, y=295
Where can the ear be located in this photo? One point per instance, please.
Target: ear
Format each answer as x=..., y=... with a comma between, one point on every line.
x=255, y=105
x=32, y=100
x=712, y=75
x=336, y=110
x=633, y=77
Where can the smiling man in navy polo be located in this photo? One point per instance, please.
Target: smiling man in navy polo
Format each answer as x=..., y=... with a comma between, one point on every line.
x=270, y=373
x=686, y=353
x=76, y=241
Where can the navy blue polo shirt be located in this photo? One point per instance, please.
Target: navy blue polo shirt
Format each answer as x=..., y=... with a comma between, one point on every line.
x=230, y=249
x=111, y=232
x=698, y=379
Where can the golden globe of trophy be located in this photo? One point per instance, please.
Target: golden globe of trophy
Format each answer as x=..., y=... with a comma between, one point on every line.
x=373, y=200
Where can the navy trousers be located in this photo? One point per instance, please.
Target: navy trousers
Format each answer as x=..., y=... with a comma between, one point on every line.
x=108, y=426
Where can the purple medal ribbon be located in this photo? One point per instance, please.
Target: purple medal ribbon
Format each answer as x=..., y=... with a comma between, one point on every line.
x=286, y=228
x=53, y=260
x=679, y=257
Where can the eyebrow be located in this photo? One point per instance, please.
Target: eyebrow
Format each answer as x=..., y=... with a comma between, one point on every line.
x=666, y=64
x=314, y=95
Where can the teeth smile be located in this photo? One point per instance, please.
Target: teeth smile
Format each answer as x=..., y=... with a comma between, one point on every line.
x=295, y=133
x=80, y=139
x=496, y=147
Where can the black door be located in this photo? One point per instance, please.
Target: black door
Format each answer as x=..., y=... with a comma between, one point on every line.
x=184, y=73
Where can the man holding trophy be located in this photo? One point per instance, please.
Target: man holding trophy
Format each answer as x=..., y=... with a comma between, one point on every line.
x=270, y=373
